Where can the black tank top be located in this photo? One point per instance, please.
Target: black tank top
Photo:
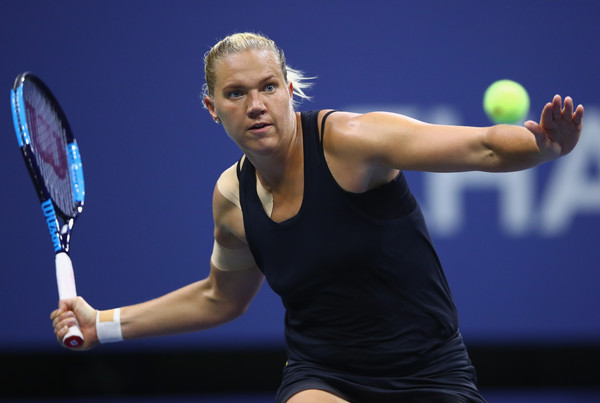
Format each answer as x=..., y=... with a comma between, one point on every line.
x=361, y=283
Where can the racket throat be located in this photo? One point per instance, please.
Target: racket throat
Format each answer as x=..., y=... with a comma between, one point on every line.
x=65, y=234
x=61, y=235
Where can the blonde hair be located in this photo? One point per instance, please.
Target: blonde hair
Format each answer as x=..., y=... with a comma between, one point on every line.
x=243, y=41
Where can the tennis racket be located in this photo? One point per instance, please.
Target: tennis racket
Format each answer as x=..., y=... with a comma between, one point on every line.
x=54, y=164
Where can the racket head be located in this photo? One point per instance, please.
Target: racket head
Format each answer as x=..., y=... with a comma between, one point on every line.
x=48, y=146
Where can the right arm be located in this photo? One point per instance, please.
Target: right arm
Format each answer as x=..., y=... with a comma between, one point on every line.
x=219, y=298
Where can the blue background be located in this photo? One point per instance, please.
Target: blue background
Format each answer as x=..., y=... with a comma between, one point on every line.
x=129, y=74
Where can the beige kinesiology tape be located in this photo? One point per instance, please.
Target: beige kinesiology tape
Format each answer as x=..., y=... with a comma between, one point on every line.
x=228, y=259
x=108, y=325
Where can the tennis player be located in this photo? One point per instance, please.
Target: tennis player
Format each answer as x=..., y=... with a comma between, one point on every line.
x=318, y=206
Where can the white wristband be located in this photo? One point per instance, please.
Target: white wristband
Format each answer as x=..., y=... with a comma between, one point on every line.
x=108, y=326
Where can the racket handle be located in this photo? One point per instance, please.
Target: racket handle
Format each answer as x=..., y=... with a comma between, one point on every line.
x=65, y=279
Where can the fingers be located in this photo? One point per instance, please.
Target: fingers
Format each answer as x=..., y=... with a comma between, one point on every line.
x=62, y=323
x=556, y=107
x=547, y=113
x=578, y=115
x=554, y=110
x=568, y=109
x=58, y=313
x=66, y=318
x=62, y=318
x=533, y=127
x=54, y=314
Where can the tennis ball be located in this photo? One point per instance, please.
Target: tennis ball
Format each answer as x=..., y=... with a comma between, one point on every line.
x=506, y=101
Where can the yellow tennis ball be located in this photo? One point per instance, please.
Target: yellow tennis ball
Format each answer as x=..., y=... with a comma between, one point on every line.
x=506, y=101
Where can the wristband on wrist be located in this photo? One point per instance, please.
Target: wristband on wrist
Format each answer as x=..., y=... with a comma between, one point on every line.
x=108, y=325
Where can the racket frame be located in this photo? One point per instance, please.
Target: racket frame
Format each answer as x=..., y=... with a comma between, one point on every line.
x=59, y=234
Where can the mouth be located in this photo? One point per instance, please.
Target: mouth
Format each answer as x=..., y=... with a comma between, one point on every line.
x=259, y=126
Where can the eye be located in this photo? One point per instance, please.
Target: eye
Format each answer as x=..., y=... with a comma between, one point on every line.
x=234, y=94
x=270, y=88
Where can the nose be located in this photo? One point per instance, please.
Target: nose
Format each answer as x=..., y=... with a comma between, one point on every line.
x=256, y=106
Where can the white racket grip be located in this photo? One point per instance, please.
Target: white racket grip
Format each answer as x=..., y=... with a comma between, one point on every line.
x=65, y=279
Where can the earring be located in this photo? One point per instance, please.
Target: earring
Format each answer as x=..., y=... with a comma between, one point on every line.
x=218, y=121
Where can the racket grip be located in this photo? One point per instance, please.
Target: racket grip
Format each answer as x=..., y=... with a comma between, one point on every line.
x=65, y=279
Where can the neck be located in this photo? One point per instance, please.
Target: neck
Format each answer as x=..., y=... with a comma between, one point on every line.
x=279, y=169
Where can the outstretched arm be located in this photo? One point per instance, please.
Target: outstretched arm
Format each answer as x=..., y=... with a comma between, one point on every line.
x=379, y=141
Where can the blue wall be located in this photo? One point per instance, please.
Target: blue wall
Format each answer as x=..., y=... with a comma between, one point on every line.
x=520, y=250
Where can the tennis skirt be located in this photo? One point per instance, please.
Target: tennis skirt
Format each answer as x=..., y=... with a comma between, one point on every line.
x=453, y=382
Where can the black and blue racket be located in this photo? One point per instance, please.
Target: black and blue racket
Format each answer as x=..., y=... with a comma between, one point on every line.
x=52, y=158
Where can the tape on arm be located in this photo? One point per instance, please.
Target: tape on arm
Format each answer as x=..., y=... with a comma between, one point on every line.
x=228, y=259
x=229, y=187
x=108, y=325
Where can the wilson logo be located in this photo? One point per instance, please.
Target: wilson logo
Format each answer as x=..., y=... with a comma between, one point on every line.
x=52, y=223
x=47, y=141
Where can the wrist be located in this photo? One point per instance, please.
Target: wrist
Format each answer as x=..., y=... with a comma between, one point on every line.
x=108, y=326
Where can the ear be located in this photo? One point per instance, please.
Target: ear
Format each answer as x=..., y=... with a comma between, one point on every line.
x=291, y=89
x=211, y=107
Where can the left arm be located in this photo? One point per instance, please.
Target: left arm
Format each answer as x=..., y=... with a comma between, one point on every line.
x=386, y=141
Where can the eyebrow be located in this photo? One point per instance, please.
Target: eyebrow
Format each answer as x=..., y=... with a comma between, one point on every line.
x=237, y=85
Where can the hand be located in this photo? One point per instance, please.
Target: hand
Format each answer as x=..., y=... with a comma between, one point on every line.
x=559, y=128
x=64, y=317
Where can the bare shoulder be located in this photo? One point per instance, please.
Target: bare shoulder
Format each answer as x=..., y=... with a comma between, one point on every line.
x=360, y=135
x=352, y=144
x=228, y=186
x=227, y=212
x=337, y=122
x=339, y=134
x=360, y=124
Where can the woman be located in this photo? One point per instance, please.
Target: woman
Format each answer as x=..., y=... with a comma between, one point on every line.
x=319, y=207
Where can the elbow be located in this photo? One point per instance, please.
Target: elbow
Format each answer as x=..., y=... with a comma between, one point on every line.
x=235, y=310
x=509, y=148
x=493, y=161
x=490, y=161
x=224, y=310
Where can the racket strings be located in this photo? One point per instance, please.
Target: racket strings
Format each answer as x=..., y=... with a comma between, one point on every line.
x=48, y=143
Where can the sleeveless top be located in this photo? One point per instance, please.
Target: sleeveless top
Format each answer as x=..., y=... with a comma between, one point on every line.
x=361, y=283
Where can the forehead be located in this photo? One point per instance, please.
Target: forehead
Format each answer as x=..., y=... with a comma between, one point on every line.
x=245, y=66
